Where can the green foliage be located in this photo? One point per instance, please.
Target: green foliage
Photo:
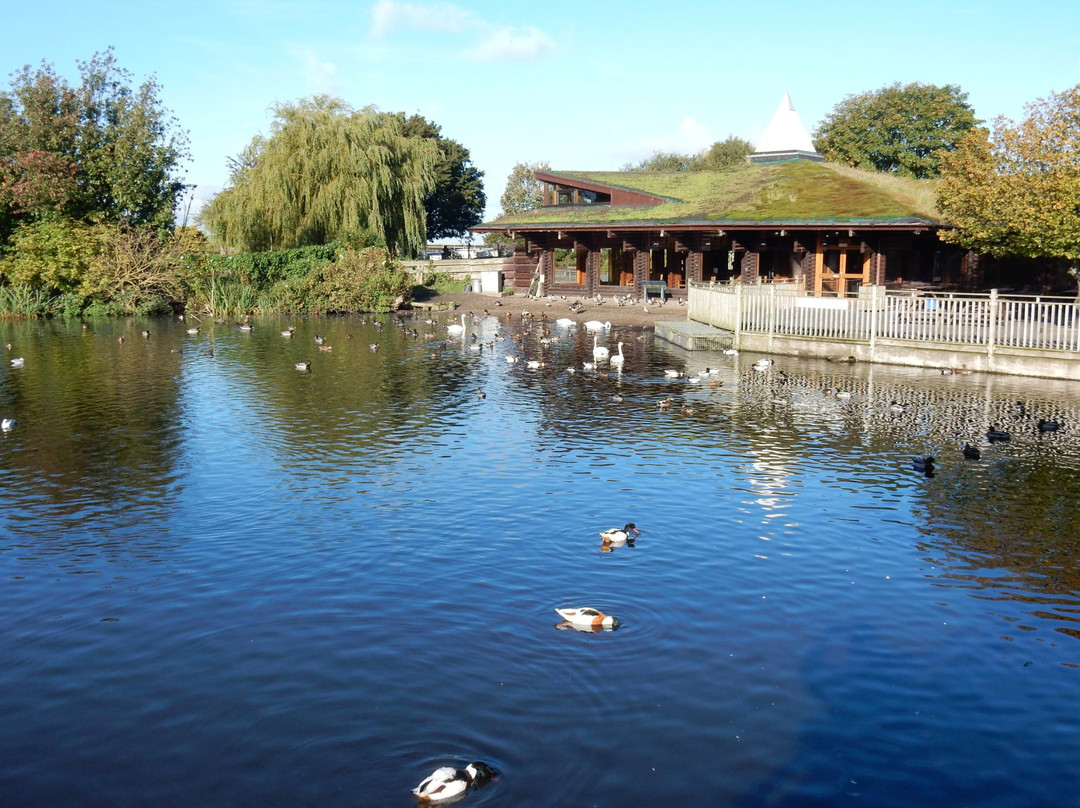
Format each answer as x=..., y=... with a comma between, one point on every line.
x=52, y=255
x=101, y=151
x=327, y=173
x=23, y=300
x=721, y=154
x=457, y=200
x=362, y=280
x=901, y=129
x=1015, y=194
x=523, y=191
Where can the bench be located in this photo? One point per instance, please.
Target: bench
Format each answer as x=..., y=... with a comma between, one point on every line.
x=660, y=287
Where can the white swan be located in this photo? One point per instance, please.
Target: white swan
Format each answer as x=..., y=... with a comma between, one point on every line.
x=599, y=351
x=596, y=325
x=618, y=359
x=565, y=322
x=457, y=329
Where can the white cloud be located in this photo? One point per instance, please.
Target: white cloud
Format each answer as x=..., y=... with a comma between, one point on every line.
x=477, y=38
x=387, y=15
x=320, y=75
x=506, y=44
x=691, y=137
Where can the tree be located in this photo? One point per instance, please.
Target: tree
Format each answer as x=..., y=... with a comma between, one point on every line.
x=328, y=173
x=662, y=161
x=523, y=191
x=723, y=153
x=457, y=201
x=898, y=129
x=102, y=150
x=1018, y=193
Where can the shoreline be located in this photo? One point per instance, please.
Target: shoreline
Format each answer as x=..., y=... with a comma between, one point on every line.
x=555, y=306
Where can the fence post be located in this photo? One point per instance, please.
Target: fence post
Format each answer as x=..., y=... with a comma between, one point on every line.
x=991, y=322
x=877, y=298
x=772, y=312
x=738, y=316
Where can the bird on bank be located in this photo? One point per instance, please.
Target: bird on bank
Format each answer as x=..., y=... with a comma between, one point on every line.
x=587, y=617
x=618, y=535
x=446, y=783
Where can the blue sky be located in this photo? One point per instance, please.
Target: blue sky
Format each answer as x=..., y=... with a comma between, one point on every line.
x=579, y=84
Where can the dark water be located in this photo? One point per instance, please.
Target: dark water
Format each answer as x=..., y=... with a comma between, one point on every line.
x=226, y=582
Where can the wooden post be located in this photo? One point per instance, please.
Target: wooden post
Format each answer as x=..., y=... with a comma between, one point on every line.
x=991, y=323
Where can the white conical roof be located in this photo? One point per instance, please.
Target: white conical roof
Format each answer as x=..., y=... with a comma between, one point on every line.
x=786, y=133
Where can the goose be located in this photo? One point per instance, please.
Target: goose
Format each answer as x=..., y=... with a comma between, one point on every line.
x=596, y=325
x=454, y=328
x=599, y=351
x=995, y=435
x=7, y=424
x=1048, y=426
x=19, y=361
x=618, y=358
x=618, y=535
x=446, y=783
x=589, y=618
x=971, y=452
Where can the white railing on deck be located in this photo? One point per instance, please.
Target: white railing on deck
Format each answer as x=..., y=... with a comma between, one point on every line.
x=987, y=320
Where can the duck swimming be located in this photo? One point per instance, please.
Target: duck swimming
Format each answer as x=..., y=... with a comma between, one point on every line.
x=617, y=535
x=972, y=452
x=587, y=617
x=7, y=424
x=995, y=435
x=447, y=782
x=1048, y=426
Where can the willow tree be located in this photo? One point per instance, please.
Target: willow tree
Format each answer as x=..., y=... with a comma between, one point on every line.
x=327, y=172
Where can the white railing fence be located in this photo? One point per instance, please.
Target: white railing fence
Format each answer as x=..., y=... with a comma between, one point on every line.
x=986, y=320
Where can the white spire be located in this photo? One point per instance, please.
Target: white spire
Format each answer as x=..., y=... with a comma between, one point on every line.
x=786, y=137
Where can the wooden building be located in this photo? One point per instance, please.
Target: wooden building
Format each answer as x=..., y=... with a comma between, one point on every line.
x=783, y=216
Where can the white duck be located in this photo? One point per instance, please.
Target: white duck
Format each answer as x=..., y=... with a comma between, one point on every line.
x=455, y=329
x=618, y=535
x=446, y=783
x=589, y=618
x=618, y=358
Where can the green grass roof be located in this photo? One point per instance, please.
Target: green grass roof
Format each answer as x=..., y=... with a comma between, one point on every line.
x=799, y=191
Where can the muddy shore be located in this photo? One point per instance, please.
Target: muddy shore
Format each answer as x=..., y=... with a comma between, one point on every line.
x=553, y=308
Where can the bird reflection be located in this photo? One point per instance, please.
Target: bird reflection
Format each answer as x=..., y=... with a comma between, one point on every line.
x=566, y=624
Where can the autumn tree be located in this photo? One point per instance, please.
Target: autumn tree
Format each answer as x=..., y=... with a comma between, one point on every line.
x=328, y=172
x=899, y=129
x=103, y=150
x=1017, y=192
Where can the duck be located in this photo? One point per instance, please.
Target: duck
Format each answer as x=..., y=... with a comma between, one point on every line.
x=675, y=374
x=534, y=364
x=664, y=403
x=618, y=358
x=972, y=452
x=599, y=351
x=7, y=424
x=923, y=464
x=995, y=435
x=1048, y=426
x=618, y=535
x=193, y=331
x=730, y=352
x=454, y=328
x=319, y=339
x=18, y=362
x=588, y=617
x=303, y=366
x=687, y=409
x=896, y=407
x=764, y=363
x=480, y=393
x=145, y=334
x=288, y=332
x=843, y=394
x=446, y=783
x=596, y=325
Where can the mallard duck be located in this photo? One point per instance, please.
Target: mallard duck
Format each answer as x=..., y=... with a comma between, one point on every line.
x=617, y=535
x=447, y=782
x=675, y=374
x=303, y=366
x=587, y=617
x=193, y=331
x=995, y=435
x=288, y=332
x=319, y=339
x=972, y=452
x=145, y=334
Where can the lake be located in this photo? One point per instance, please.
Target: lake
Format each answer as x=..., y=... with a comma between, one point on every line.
x=228, y=582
